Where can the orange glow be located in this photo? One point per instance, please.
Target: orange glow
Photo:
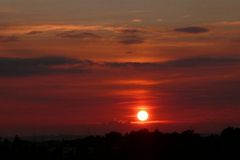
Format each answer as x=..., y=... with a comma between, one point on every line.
x=142, y=116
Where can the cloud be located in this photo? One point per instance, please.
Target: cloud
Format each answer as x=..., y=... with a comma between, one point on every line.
x=34, y=66
x=8, y=38
x=131, y=36
x=25, y=29
x=131, y=31
x=228, y=23
x=178, y=63
x=131, y=39
x=192, y=30
x=62, y=65
x=203, y=61
x=78, y=35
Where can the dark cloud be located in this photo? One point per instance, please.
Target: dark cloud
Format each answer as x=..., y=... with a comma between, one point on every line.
x=57, y=65
x=193, y=30
x=8, y=38
x=203, y=61
x=78, y=35
x=131, y=39
x=188, y=62
x=131, y=36
x=131, y=31
x=34, y=66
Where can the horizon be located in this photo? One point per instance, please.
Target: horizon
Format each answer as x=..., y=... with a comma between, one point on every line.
x=97, y=63
x=75, y=136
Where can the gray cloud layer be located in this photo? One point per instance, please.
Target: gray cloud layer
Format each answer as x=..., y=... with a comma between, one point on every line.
x=56, y=65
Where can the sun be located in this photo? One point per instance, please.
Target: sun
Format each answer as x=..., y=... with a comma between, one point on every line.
x=142, y=115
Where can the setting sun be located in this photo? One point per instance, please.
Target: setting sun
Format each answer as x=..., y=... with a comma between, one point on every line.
x=142, y=115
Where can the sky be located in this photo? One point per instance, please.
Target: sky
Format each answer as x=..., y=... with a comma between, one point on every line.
x=85, y=66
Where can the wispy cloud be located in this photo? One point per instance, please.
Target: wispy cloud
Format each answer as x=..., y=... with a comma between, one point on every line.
x=228, y=23
x=25, y=29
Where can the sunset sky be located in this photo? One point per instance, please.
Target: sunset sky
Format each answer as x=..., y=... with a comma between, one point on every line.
x=74, y=66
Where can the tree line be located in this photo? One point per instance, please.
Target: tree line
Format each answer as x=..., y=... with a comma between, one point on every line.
x=135, y=145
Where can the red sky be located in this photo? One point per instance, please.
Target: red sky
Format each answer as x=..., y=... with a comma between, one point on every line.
x=80, y=66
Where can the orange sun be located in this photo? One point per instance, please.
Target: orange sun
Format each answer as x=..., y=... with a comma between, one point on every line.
x=142, y=115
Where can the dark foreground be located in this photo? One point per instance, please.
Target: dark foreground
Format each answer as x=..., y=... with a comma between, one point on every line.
x=139, y=145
